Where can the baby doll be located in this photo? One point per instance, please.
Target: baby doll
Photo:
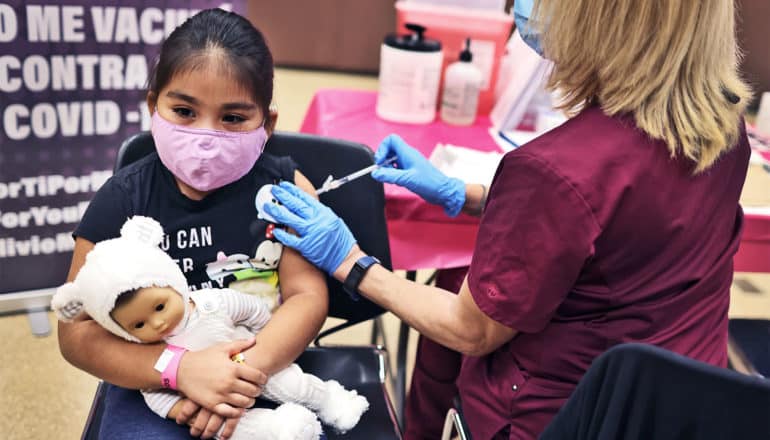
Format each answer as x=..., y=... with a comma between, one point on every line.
x=136, y=291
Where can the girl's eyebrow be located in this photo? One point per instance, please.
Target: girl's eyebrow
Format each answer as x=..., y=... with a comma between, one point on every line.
x=239, y=106
x=228, y=106
x=182, y=96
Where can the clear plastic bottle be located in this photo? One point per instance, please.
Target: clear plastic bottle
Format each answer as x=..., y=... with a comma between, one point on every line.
x=462, y=84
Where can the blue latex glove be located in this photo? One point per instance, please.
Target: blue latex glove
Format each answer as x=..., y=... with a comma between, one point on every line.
x=324, y=239
x=415, y=173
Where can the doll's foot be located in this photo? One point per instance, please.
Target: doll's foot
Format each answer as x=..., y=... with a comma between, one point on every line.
x=287, y=422
x=342, y=409
x=296, y=422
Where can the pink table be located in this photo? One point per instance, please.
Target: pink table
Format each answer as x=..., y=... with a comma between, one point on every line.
x=421, y=235
x=754, y=253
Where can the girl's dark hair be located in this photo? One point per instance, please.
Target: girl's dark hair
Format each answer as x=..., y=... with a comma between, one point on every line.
x=210, y=30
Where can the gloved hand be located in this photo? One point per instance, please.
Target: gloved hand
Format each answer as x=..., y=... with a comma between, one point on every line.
x=324, y=239
x=415, y=173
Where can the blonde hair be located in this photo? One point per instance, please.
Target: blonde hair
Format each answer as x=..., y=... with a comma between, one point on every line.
x=673, y=64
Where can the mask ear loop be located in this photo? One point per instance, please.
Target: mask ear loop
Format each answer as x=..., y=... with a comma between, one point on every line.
x=272, y=108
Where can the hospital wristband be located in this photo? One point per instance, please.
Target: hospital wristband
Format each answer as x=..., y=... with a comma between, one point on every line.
x=168, y=364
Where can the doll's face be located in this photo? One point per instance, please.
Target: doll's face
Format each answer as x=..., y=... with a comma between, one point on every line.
x=151, y=314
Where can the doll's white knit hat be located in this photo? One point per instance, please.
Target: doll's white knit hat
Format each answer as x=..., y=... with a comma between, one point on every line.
x=118, y=265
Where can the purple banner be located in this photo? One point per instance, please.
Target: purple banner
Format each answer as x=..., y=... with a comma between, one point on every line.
x=72, y=88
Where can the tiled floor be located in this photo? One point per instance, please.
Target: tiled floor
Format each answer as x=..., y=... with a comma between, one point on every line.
x=43, y=397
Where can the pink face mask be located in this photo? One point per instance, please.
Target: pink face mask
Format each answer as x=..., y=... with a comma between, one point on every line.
x=206, y=159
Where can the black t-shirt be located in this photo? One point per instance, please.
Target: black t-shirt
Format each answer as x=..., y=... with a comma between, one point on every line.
x=225, y=220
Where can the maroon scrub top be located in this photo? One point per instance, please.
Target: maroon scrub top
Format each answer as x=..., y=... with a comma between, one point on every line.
x=594, y=236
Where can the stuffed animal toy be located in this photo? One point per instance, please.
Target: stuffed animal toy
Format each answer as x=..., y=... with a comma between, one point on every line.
x=136, y=291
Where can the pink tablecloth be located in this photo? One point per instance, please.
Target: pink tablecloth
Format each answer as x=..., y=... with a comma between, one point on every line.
x=421, y=235
x=754, y=253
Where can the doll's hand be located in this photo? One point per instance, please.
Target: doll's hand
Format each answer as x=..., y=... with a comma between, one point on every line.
x=210, y=378
x=187, y=410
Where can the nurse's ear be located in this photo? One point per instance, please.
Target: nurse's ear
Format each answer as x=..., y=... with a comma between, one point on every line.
x=271, y=120
x=151, y=99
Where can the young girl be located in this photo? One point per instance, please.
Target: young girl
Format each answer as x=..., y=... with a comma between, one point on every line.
x=209, y=95
x=136, y=291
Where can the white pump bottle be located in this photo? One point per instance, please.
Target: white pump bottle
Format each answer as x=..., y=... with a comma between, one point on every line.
x=462, y=84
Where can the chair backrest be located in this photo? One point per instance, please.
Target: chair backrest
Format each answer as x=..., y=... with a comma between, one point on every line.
x=133, y=149
x=639, y=391
x=361, y=204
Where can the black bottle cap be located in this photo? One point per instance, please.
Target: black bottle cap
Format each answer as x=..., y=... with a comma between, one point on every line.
x=415, y=41
x=465, y=55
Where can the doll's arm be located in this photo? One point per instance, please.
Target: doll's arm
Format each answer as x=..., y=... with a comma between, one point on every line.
x=162, y=401
x=246, y=310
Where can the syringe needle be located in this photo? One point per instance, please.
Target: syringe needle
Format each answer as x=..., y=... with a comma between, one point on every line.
x=330, y=184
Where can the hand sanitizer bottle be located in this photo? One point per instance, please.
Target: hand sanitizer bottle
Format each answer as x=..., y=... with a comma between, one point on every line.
x=462, y=84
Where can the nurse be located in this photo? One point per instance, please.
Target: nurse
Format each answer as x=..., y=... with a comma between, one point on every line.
x=618, y=226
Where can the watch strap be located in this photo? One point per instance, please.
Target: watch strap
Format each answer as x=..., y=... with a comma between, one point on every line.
x=356, y=275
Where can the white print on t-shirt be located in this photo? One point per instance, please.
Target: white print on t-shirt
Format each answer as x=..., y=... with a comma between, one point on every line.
x=207, y=285
x=186, y=264
x=268, y=254
x=191, y=238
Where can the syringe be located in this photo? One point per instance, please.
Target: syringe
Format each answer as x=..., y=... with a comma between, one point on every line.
x=331, y=183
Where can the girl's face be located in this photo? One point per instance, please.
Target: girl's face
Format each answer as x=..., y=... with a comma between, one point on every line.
x=208, y=97
x=152, y=314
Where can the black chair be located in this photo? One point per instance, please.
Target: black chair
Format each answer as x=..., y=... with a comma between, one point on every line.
x=637, y=391
x=455, y=426
x=749, y=346
x=361, y=205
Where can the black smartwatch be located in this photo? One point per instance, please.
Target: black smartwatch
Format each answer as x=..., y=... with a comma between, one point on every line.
x=357, y=274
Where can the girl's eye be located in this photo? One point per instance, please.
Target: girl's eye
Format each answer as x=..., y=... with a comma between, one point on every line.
x=159, y=307
x=184, y=112
x=138, y=325
x=233, y=119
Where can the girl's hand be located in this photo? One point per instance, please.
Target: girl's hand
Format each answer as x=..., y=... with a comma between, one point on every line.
x=203, y=422
x=210, y=378
x=207, y=424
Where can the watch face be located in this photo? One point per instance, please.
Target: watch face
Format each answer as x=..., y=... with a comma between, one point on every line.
x=367, y=261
